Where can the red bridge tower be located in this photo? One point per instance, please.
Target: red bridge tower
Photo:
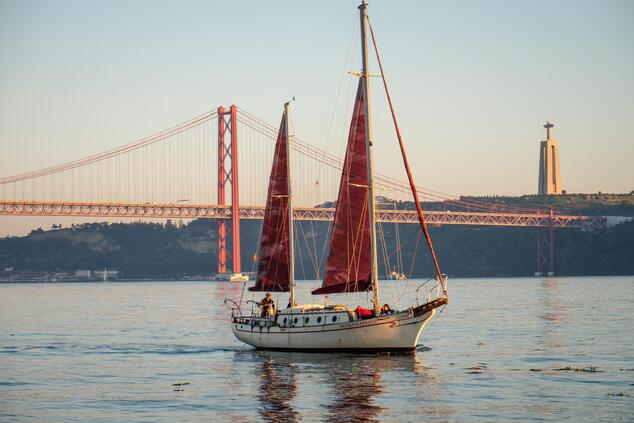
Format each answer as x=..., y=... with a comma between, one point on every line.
x=228, y=152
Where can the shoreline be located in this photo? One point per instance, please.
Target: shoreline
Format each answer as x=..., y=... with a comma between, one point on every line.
x=126, y=280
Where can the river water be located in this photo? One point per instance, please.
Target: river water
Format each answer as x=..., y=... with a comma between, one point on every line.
x=526, y=349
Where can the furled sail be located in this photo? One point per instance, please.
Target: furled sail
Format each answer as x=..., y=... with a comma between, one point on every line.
x=349, y=262
x=274, y=251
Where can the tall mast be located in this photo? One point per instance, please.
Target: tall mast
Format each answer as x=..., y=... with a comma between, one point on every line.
x=291, y=244
x=374, y=271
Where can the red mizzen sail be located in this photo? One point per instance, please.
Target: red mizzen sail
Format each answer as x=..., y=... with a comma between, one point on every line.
x=274, y=252
x=349, y=262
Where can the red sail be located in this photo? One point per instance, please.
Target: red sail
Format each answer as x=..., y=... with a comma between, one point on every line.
x=274, y=252
x=349, y=262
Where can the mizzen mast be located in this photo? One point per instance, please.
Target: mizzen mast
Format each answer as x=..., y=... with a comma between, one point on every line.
x=374, y=271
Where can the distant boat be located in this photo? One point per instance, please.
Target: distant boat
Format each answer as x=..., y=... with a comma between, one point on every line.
x=231, y=277
x=352, y=261
x=395, y=275
x=239, y=277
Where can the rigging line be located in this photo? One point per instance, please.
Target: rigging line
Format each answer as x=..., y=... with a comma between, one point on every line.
x=337, y=166
x=296, y=236
x=312, y=259
x=104, y=155
x=299, y=145
x=201, y=164
x=411, y=267
x=277, y=241
x=325, y=244
x=145, y=174
x=389, y=254
x=256, y=254
x=187, y=163
x=343, y=74
x=397, y=237
x=315, y=155
x=312, y=231
x=307, y=149
x=342, y=140
x=421, y=216
x=397, y=299
x=359, y=238
x=335, y=162
x=386, y=262
x=393, y=253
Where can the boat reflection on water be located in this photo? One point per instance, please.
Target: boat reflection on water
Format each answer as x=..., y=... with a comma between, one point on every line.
x=554, y=310
x=293, y=385
x=355, y=386
x=278, y=387
x=553, y=315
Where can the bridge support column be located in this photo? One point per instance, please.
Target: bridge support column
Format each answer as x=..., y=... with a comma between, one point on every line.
x=546, y=250
x=235, y=199
x=227, y=122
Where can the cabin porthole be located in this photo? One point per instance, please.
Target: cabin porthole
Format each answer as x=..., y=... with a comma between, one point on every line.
x=306, y=320
x=334, y=318
x=319, y=319
x=285, y=320
x=295, y=320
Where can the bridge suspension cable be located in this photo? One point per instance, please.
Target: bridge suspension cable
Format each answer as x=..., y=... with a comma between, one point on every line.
x=171, y=166
x=328, y=159
x=143, y=142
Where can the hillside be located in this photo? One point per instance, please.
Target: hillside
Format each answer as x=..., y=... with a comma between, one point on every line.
x=167, y=251
x=599, y=204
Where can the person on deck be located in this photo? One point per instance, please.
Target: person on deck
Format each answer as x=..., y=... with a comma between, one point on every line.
x=267, y=305
x=386, y=309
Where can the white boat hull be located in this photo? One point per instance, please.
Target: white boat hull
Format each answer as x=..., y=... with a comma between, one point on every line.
x=395, y=332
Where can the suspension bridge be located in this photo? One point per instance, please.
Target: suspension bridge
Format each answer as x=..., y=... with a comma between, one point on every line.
x=191, y=171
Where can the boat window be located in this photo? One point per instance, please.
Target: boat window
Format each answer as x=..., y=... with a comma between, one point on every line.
x=306, y=320
x=319, y=319
x=285, y=320
x=295, y=320
x=334, y=318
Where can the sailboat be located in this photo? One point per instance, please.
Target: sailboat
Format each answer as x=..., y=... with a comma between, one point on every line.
x=352, y=262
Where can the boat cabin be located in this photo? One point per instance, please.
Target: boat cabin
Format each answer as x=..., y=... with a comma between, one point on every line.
x=313, y=315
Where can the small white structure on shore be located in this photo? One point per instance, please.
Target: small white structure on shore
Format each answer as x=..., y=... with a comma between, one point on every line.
x=83, y=273
x=105, y=274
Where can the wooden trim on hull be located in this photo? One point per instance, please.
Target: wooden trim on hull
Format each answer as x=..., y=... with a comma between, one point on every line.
x=424, y=308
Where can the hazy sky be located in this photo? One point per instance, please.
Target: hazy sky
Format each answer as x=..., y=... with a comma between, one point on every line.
x=473, y=81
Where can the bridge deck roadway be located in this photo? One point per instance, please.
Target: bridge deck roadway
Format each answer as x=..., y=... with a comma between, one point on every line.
x=191, y=211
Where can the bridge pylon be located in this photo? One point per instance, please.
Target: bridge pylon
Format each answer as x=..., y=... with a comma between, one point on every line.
x=228, y=173
x=546, y=250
